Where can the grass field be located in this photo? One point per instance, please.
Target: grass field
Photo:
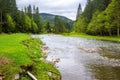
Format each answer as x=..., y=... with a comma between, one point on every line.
x=20, y=53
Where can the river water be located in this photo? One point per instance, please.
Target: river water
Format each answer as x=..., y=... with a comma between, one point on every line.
x=83, y=59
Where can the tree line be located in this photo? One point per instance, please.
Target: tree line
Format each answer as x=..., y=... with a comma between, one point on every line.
x=27, y=20
x=100, y=17
x=58, y=26
x=14, y=20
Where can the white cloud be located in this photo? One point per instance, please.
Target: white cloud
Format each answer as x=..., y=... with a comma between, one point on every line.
x=66, y=8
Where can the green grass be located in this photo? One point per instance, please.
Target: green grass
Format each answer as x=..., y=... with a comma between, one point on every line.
x=20, y=53
x=83, y=35
x=11, y=44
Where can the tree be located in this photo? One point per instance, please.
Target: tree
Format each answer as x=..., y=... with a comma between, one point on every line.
x=60, y=25
x=48, y=27
x=100, y=5
x=94, y=20
x=84, y=19
x=80, y=25
x=97, y=24
x=29, y=11
x=79, y=11
x=7, y=7
x=1, y=20
x=88, y=12
x=1, y=15
x=27, y=24
x=20, y=26
x=13, y=20
x=10, y=24
x=36, y=18
x=113, y=15
x=34, y=26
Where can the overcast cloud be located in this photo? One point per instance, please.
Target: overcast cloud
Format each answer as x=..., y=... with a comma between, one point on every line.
x=66, y=8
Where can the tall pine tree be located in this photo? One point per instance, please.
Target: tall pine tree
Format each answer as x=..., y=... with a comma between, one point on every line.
x=36, y=18
x=79, y=11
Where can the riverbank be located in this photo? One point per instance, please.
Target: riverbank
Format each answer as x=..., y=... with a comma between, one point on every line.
x=78, y=63
x=83, y=35
x=20, y=53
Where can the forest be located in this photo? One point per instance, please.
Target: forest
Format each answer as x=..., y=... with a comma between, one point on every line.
x=27, y=20
x=100, y=17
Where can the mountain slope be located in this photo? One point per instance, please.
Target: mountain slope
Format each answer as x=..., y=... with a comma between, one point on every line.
x=50, y=18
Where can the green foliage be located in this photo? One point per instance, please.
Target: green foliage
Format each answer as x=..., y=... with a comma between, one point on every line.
x=97, y=24
x=0, y=29
x=27, y=23
x=48, y=27
x=10, y=24
x=20, y=22
x=79, y=11
x=100, y=17
x=60, y=25
x=80, y=24
x=113, y=15
x=37, y=20
x=100, y=5
x=13, y=20
x=46, y=17
x=34, y=27
x=29, y=11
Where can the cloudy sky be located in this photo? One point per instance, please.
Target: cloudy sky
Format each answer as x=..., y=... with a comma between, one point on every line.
x=66, y=8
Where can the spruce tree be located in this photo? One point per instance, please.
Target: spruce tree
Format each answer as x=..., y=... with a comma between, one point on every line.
x=79, y=11
x=48, y=27
x=29, y=11
x=36, y=18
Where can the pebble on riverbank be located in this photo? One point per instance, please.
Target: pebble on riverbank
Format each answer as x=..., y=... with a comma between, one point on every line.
x=44, y=47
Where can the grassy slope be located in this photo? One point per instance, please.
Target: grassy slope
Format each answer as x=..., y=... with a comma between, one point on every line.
x=20, y=53
x=108, y=38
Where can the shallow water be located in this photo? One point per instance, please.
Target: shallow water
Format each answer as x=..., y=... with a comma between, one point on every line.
x=77, y=63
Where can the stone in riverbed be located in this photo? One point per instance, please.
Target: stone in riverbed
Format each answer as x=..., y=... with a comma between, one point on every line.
x=90, y=50
x=16, y=77
x=44, y=47
x=49, y=73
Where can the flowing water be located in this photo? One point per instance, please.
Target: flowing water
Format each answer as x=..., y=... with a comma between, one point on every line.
x=84, y=59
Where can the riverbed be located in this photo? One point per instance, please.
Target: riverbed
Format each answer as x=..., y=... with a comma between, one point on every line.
x=83, y=59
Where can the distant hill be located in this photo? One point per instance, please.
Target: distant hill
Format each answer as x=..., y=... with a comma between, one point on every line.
x=50, y=18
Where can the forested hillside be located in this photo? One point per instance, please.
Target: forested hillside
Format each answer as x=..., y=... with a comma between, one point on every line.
x=26, y=20
x=51, y=17
x=100, y=17
x=49, y=21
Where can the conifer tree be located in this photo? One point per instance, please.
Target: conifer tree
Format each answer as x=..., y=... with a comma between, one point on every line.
x=29, y=11
x=79, y=11
x=36, y=18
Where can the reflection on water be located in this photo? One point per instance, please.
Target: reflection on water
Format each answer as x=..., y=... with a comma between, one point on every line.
x=111, y=52
x=80, y=59
x=106, y=72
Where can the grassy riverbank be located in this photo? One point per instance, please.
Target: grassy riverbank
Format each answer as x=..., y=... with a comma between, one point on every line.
x=20, y=53
x=83, y=35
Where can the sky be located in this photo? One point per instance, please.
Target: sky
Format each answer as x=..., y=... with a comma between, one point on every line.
x=67, y=8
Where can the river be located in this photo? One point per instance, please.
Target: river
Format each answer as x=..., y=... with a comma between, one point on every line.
x=83, y=59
